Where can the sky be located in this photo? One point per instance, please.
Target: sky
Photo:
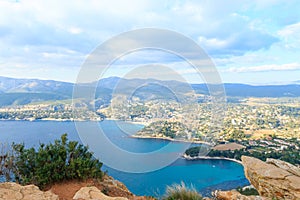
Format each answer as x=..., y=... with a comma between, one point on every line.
x=249, y=41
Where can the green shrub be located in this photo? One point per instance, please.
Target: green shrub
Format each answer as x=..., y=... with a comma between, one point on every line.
x=180, y=192
x=55, y=162
x=6, y=162
x=247, y=191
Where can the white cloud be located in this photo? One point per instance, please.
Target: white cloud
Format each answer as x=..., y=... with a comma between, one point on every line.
x=291, y=36
x=75, y=30
x=290, y=30
x=248, y=59
x=38, y=22
x=265, y=68
x=59, y=34
x=213, y=42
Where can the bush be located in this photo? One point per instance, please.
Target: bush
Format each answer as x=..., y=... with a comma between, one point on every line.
x=6, y=162
x=180, y=192
x=55, y=162
x=247, y=191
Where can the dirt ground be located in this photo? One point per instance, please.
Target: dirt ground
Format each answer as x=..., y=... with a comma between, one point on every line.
x=229, y=146
x=66, y=190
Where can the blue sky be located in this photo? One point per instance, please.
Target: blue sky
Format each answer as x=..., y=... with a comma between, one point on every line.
x=250, y=41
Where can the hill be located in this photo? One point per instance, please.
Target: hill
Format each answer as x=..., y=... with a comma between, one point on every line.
x=23, y=91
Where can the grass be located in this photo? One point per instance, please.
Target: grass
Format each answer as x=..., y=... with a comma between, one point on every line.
x=181, y=192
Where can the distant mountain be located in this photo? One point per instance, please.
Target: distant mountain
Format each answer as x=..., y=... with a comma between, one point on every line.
x=12, y=85
x=23, y=91
x=109, y=83
x=262, y=91
x=147, y=89
x=243, y=90
x=8, y=99
x=297, y=82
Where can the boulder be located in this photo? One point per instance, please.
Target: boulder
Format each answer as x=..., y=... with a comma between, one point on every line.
x=93, y=193
x=234, y=195
x=284, y=165
x=115, y=188
x=15, y=191
x=270, y=180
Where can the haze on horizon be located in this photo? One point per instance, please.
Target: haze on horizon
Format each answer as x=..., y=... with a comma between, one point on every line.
x=252, y=42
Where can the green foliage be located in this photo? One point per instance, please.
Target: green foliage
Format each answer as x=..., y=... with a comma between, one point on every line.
x=236, y=134
x=22, y=98
x=6, y=162
x=168, y=129
x=247, y=191
x=138, y=111
x=290, y=154
x=180, y=192
x=193, y=151
x=55, y=162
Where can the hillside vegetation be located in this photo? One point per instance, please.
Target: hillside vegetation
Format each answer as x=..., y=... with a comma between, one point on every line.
x=49, y=163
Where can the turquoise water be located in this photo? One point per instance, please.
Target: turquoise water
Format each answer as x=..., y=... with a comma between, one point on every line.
x=203, y=175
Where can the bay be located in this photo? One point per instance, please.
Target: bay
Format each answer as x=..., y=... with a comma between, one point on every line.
x=203, y=175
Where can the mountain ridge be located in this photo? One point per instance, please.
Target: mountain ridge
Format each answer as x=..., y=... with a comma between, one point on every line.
x=14, y=91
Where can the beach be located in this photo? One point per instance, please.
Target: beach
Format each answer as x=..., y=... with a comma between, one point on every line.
x=210, y=158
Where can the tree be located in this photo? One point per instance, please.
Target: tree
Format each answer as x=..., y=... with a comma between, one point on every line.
x=55, y=162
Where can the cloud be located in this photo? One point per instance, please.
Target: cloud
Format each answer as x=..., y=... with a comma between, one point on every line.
x=80, y=25
x=291, y=36
x=238, y=43
x=60, y=34
x=291, y=30
x=251, y=58
x=265, y=68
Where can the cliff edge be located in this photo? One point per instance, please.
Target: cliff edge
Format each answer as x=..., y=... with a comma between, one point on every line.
x=273, y=178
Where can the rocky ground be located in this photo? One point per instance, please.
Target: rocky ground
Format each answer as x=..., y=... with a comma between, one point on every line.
x=108, y=189
x=273, y=179
x=28, y=192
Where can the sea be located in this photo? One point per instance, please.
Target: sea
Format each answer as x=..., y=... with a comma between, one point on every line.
x=203, y=175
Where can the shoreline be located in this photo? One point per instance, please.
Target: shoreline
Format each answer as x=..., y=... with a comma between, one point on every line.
x=184, y=156
x=112, y=119
x=169, y=139
x=51, y=119
x=131, y=122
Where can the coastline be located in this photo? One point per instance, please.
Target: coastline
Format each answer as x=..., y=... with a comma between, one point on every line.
x=69, y=120
x=131, y=122
x=210, y=158
x=51, y=119
x=169, y=139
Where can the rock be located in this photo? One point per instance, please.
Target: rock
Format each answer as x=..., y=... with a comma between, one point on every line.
x=93, y=193
x=66, y=190
x=270, y=180
x=206, y=198
x=284, y=165
x=234, y=195
x=15, y=191
x=115, y=188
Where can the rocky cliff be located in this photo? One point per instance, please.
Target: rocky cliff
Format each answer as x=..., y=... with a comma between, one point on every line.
x=72, y=191
x=235, y=195
x=274, y=178
x=93, y=193
x=28, y=192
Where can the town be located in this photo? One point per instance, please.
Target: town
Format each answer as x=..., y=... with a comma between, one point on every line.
x=249, y=119
x=259, y=127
